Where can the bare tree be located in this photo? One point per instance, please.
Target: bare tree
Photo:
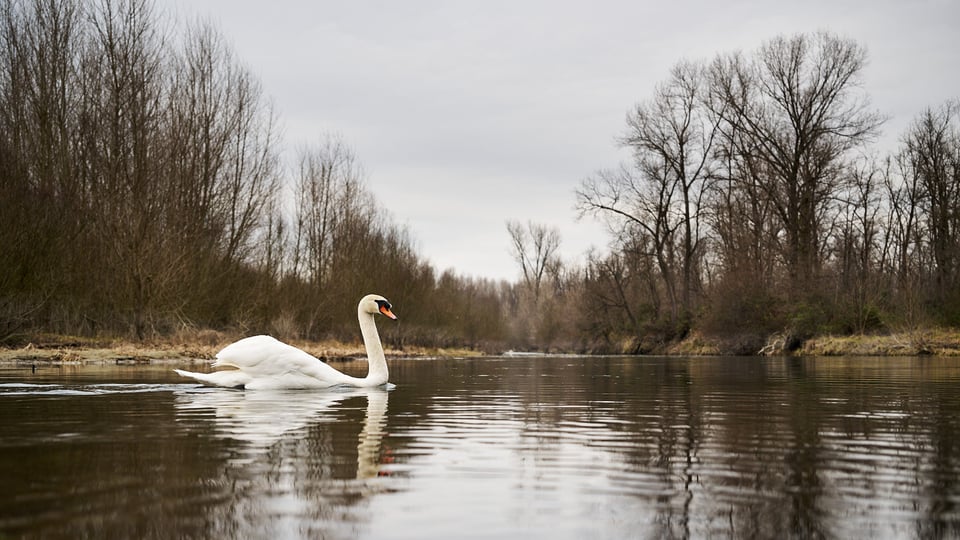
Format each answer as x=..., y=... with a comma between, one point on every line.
x=41, y=213
x=534, y=248
x=932, y=156
x=793, y=112
x=337, y=231
x=220, y=171
x=672, y=139
x=903, y=235
x=857, y=249
x=124, y=92
x=329, y=187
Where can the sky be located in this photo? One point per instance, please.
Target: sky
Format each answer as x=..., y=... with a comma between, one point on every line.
x=465, y=115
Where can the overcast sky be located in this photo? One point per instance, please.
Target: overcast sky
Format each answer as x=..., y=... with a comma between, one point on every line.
x=468, y=114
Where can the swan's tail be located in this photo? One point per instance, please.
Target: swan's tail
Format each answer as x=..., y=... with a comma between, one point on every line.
x=228, y=378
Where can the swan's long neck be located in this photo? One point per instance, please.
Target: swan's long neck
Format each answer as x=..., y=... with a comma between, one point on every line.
x=377, y=373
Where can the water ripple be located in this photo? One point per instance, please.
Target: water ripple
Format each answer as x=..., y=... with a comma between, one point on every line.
x=47, y=389
x=523, y=447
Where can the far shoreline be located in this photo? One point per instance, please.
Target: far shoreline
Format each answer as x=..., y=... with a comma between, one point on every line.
x=913, y=342
x=66, y=350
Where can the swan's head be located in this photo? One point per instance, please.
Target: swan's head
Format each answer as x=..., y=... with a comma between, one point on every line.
x=374, y=303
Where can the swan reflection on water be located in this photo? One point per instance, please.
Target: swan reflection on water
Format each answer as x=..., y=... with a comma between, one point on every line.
x=260, y=419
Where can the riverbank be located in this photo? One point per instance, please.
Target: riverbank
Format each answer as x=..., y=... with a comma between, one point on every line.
x=201, y=349
x=203, y=346
x=933, y=342
x=916, y=342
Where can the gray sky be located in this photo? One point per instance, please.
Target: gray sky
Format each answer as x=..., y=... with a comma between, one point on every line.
x=468, y=114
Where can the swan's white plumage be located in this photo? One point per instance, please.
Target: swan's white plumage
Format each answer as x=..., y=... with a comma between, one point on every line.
x=262, y=362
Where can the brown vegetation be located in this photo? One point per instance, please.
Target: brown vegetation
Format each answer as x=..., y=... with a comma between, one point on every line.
x=200, y=347
x=142, y=196
x=751, y=209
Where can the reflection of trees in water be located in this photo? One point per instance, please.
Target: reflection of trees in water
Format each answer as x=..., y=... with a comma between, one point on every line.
x=611, y=447
x=788, y=447
x=290, y=474
x=739, y=447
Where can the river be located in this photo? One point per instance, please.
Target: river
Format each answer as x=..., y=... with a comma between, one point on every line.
x=527, y=447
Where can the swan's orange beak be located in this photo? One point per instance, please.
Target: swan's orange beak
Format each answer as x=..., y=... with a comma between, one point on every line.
x=386, y=311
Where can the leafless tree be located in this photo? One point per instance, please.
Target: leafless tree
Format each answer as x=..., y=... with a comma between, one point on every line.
x=857, y=249
x=534, y=247
x=932, y=155
x=794, y=111
x=39, y=193
x=672, y=139
x=904, y=236
x=220, y=171
x=328, y=194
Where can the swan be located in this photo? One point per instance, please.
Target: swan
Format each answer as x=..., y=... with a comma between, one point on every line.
x=263, y=362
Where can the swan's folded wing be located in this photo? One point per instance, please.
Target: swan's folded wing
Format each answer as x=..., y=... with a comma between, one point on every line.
x=248, y=353
x=270, y=361
x=295, y=363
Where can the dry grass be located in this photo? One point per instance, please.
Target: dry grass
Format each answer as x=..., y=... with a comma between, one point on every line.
x=911, y=342
x=931, y=341
x=696, y=345
x=186, y=347
x=201, y=346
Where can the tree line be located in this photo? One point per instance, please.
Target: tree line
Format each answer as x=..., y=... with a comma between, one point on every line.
x=145, y=190
x=754, y=204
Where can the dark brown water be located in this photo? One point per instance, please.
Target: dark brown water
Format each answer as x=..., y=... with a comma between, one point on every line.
x=493, y=448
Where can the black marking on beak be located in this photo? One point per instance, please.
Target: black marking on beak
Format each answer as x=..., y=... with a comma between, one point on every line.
x=386, y=309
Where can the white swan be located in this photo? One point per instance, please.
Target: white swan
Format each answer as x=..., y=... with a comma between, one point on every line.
x=263, y=362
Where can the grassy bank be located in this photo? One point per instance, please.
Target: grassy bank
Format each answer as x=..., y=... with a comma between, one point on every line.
x=195, y=348
x=927, y=341
x=200, y=347
x=936, y=342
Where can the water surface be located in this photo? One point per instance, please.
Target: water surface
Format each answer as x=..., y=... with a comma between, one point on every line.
x=566, y=447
